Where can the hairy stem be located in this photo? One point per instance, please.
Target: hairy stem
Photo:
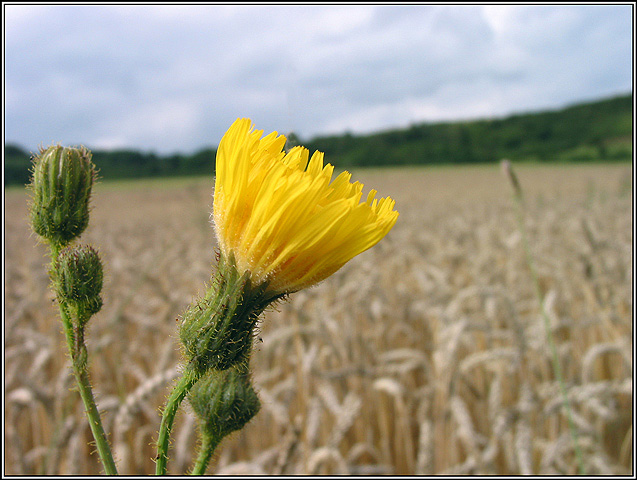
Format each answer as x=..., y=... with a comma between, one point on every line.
x=183, y=386
x=206, y=449
x=101, y=442
x=77, y=350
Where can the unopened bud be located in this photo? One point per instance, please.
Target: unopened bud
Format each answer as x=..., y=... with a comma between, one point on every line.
x=217, y=330
x=61, y=189
x=78, y=279
x=224, y=401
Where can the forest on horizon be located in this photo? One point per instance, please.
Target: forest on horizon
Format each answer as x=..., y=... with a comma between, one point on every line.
x=585, y=132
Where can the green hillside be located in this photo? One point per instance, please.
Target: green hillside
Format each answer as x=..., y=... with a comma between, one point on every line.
x=596, y=131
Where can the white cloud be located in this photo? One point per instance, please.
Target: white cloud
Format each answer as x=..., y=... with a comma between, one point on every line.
x=172, y=78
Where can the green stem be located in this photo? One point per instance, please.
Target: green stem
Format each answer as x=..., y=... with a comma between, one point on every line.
x=206, y=449
x=77, y=350
x=103, y=447
x=185, y=383
x=557, y=369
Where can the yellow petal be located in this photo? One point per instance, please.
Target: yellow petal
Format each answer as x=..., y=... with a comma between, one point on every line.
x=282, y=218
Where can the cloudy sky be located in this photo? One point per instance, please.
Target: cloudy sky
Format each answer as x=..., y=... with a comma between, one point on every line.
x=170, y=78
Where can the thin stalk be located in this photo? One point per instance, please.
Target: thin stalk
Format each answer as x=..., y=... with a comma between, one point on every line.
x=557, y=369
x=101, y=442
x=77, y=349
x=183, y=386
x=206, y=449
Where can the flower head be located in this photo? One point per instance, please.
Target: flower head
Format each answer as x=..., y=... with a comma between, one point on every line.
x=282, y=217
x=61, y=190
x=78, y=277
x=224, y=401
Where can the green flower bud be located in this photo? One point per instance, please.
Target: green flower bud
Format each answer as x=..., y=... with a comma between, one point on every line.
x=78, y=279
x=217, y=330
x=224, y=401
x=61, y=189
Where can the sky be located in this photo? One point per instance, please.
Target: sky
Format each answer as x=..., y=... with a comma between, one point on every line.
x=172, y=78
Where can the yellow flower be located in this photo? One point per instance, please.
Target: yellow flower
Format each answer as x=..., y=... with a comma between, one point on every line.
x=282, y=218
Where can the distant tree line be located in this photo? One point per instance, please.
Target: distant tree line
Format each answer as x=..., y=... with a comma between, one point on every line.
x=596, y=131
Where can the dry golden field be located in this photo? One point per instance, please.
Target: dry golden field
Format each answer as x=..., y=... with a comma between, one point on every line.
x=425, y=355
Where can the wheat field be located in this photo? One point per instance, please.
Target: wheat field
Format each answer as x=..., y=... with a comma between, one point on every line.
x=425, y=355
